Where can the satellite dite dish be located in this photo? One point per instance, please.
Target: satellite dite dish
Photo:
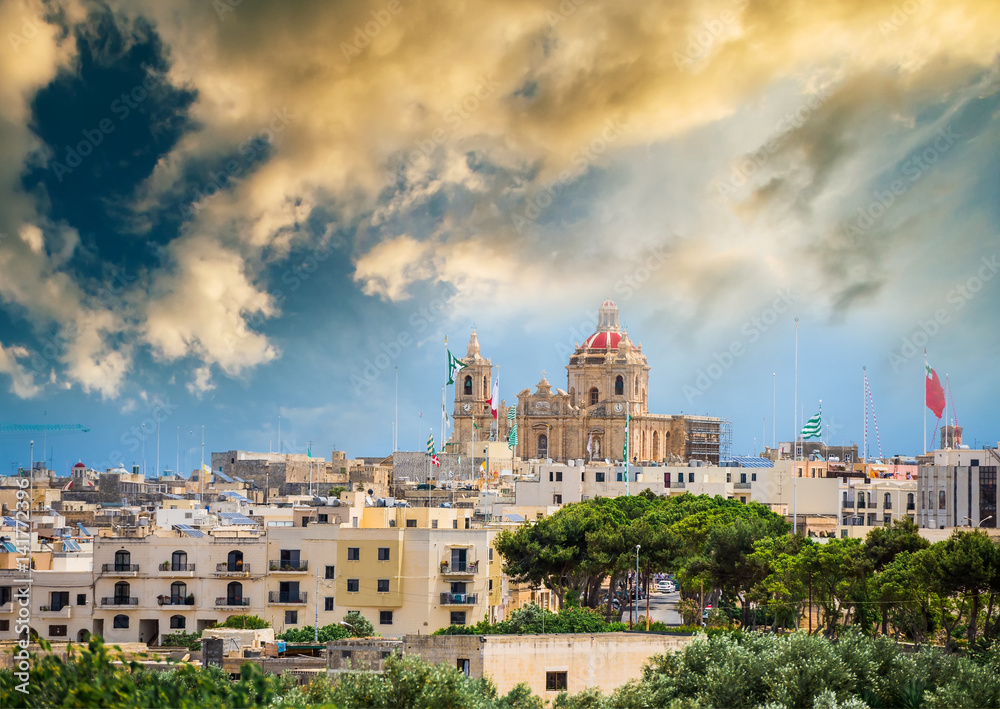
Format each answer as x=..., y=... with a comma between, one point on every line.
x=371, y=492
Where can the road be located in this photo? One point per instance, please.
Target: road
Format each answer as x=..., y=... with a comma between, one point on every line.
x=662, y=607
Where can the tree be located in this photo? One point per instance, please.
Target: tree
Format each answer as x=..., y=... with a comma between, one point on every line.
x=245, y=622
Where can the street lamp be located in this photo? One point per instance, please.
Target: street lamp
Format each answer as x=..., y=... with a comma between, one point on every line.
x=637, y=547
x=985, y=519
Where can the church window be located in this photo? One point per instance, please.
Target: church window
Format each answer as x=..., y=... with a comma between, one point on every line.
x=467, y=389
x=572, y=396
x=656, y=445
x=619, y=385
x=486, y=388
x=594, y=397
x=636, y=387
x=543, y=446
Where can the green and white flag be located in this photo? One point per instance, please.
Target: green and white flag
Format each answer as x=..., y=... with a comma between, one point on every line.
x=511, y=412
x=454, y=364
x=430, y=444
x=628, y=420
x=512, y=438
x=814, y=426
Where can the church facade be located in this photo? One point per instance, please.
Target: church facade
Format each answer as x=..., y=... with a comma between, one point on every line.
x=607, y=379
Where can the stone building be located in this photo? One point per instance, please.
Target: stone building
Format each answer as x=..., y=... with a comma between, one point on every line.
x=607, y=380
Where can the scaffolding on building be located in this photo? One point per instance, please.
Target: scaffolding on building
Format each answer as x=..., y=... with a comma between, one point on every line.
x=725, y=440
x=704, y=437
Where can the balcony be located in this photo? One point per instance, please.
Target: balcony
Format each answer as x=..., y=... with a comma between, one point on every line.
x=175, y=600
x=458, y=599
x=910, y=506
x=677, y=485
x=872, y=505
x=52, y=613
x=120, y=601
x=288, y=566
x=227, y=569
x=466, y=569
x=741, y=486
x=286, y=597
x=224, y=602
x=120, y=569
x=887, y=506
x=170, y=569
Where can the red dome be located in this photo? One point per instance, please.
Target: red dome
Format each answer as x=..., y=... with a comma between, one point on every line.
x=79, y=465
x=599, y=340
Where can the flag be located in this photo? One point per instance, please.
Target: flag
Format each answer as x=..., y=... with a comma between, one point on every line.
x=430, y=451
x=495, y=397
x=511, y=412
x=512, y=438
x=435, y=461
x=309, y=452
x=934, y=392
x=454, y=364
x=628, y=420
x=482, y=467
x=445, y=416
x=206, y=469
x=814, y=426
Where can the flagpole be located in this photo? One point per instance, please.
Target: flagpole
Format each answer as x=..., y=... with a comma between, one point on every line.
x=795, y=393
x=864, y=439
x=924, y=407
x=626, y=451
x=774, y=407
x=395, y=426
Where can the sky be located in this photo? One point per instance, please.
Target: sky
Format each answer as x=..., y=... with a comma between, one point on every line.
x=218, y=218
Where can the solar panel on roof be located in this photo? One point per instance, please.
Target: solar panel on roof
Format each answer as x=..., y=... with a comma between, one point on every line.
x=238, y=479
x=7, y=546
x=189, y=530
x=237, y=518
x=70, y=545
x=749, y=461
x=514, y=517
x=172, y=496
x=84, y=530
x=234, y=496
x=222, y=476
x=11, y=522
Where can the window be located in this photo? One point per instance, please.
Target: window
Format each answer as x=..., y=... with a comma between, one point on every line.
x=558, y=476
x=234, y=593
x=887, y=520
x=619, y=385
x=234, y=560
x=6, y=595
x=4, y=625
x=392, y=523
x=178, y=592
x=542, y=446
x=557, y=499
x=490, y=554
x=909, y=501
x=753, y=477
x=463, y=666
x=887, y=502
x=122, y=592
x=354, y=613
x=555, y=681
x=385, y=617
x=345, y=654
x=81, y=599
x=434, y=524
x=987, y=496
x=352, y=585
x=57, y=631
x=491, y=585
x=121, y=621
x=599, y=477
x=467, y=523
x=328, y=603
x=583, y=477
x=467, y=386
x=383, y=553
x=383, y=585
x=656, y=445
x=123, y=561
x=329, y=572
x=594, y=396
x=941, y=501
x=743, y=499
x=411, y=523
x=353, y=553
x=454, y=524
x=690, y=477
x=177, y=622
x=322, y=519
x=552, y=476
x=871, y=519
x=59, y=600
x=458, y=617
x=291, y=617
x=861, y=500
x=179, y=561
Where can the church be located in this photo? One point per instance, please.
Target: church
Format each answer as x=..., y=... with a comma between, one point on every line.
x=607, y=378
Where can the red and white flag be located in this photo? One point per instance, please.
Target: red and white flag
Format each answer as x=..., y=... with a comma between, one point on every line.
x=934, y=392
x=495, y=398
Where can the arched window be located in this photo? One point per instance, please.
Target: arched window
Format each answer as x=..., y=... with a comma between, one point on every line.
x=177, y=622
x=888, y=502
x=234, y=593
x=122, y=593
x=619, y=385
x=123, y=561
x=594, y=396
x=467, y=387
x=178, y=592
x=656, y=445
x=635, y=389
x=543, y=446
x=234, y=562
x=909, y=501
x=861, y=499
x=179, y=561
x=845, y=498
x=121, y=621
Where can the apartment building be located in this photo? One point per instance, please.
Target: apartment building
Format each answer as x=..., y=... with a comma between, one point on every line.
x=959, y=488
x=874, y=502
